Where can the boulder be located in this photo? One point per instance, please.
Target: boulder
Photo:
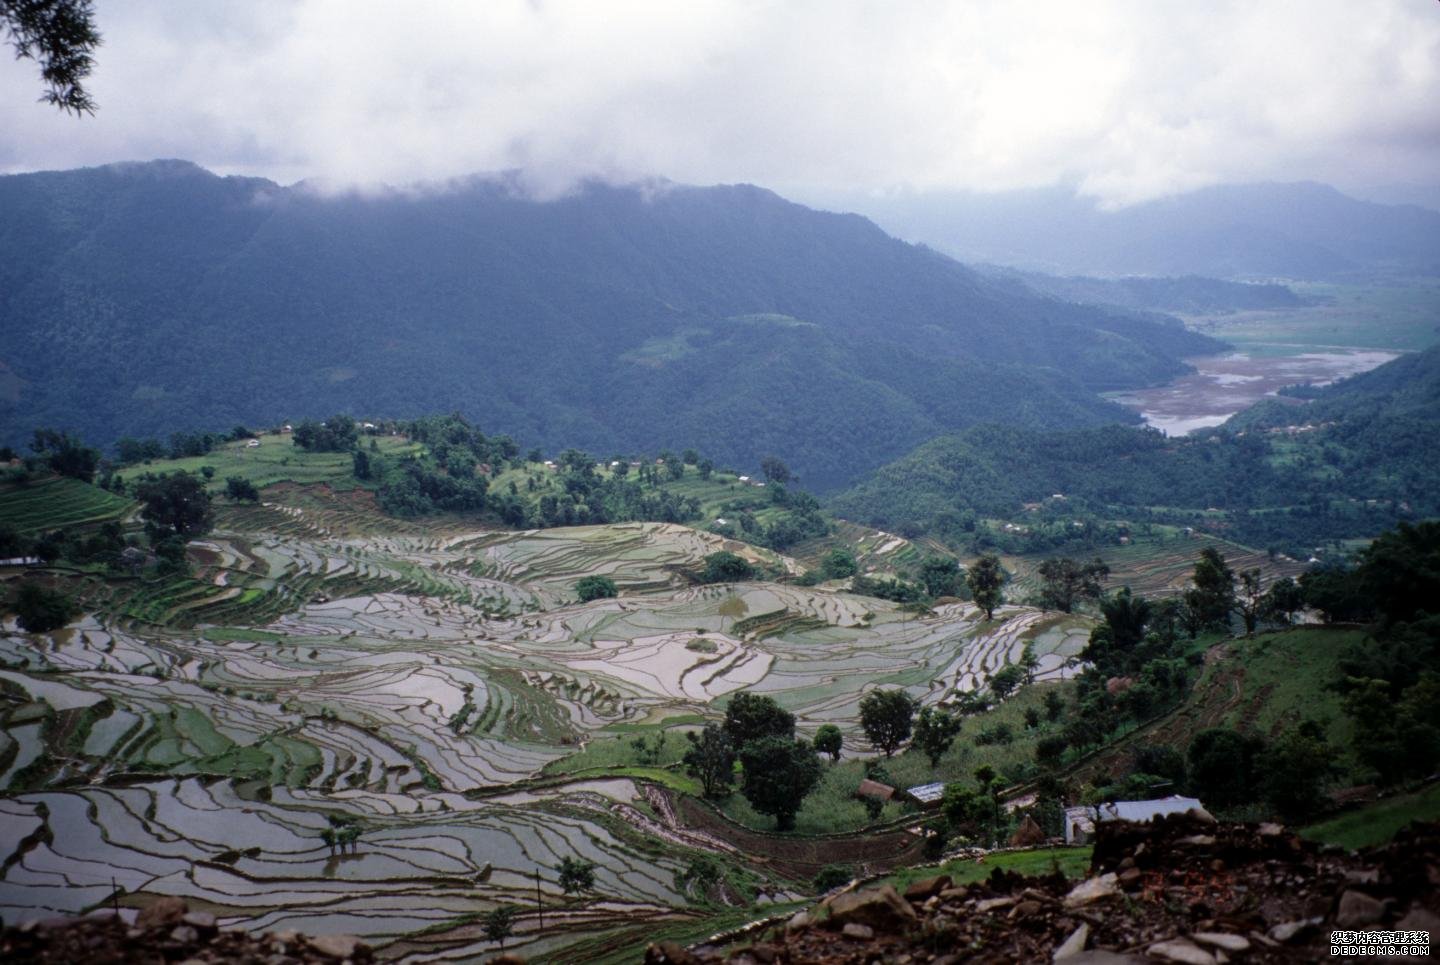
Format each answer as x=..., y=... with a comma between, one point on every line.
x=1224, y=941
x=1075, y=944
x=881, y=908
x=1179, y=950
x=924, y=888
x=338, y=946
x=1358, y=909
x=1092, y=890
x=161, y=912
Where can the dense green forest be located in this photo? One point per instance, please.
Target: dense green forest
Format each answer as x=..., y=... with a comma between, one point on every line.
x=1354, y=461
x=147, y=298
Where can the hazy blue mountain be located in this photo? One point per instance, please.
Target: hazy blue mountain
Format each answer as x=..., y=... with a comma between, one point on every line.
x=1189, y=294
x=143, y=298
x=1299, y=231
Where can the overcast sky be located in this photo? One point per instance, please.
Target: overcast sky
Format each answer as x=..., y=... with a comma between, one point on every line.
x=1128, y=100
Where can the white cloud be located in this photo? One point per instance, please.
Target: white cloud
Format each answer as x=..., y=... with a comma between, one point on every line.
x=1127, y=98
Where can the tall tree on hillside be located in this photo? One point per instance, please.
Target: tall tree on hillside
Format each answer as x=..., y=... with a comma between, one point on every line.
x=1004, y=681
x=711, y=759
x=1400, y=571
x=941, y=575
x=935, y=731
x=1250, y=598
x=887, y=717
x=750, y=717
x=1065, y=581
x=576, y=875
x=1283, y=600
x=1215, y=588
x=775, y=471
x=499, y=923
x=723, y=566
x=176, y=504
x=985, y=578
x=66, y=454
x=829, y=740
x=60, y=35
x=41, y=610
x=779, y=773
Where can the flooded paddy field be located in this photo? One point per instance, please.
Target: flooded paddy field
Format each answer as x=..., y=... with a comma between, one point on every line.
x=207, y=741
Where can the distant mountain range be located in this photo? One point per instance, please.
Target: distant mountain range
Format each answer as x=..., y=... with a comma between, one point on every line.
x=1354, y=461
x=1301, y=231
x=137, y=299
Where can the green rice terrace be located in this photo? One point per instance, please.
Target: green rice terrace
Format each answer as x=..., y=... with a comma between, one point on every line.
x=341, y=723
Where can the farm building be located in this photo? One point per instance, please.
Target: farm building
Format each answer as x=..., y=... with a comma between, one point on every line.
x=253, y=444
x=926, y=795
x=1080, y=821
x=869, y=788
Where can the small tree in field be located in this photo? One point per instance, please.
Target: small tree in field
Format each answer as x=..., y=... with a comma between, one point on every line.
x=985, y=579
x=1005, y=680
x=40, y=610
x=499, y=923
x=711, y=759
x=887, y=717
x=778, y=775
x=595, y=588
x=239, y=489
x=1064, y=581
x=828, y=740
x=749, y=717
x=935, y=731
x=576, y=875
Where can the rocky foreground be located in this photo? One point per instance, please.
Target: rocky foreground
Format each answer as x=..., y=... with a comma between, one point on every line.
x=1183, y=889
x=168, y=931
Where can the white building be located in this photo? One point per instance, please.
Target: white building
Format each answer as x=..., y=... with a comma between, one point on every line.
x=1080, y=821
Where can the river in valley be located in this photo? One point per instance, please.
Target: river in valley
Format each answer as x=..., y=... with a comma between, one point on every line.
x=1222, y=385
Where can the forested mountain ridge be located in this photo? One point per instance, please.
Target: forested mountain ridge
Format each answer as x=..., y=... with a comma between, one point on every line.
x=1349, y=464
x=141, y=298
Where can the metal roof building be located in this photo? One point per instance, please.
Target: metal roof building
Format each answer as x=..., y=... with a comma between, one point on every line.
x=1080, y=821
x=926, y=795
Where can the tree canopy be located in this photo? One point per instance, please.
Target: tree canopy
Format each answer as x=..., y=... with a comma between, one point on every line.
x=985, y=578
x=175, y=504
x=750, y=717
x=779, y=773
x=887, y=717
x=60, y=35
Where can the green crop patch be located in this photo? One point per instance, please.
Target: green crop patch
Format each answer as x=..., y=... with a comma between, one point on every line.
x=58, y=502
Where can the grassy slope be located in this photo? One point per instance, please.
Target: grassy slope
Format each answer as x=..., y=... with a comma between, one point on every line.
x=1377, y=823
x=1071, y=862
x=1265, y=684
x=275, y=460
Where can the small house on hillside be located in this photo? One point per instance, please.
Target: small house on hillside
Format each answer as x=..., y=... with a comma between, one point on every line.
x=926, y=795
x=1080, y=821
x=874, y=789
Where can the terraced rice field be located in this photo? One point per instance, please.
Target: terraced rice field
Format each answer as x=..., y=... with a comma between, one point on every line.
x=57, y=502
x=195, y=737
x=1159, y=567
